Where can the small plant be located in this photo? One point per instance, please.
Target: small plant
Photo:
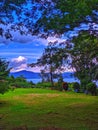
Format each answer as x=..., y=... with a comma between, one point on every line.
x=76, y=87
x=91, y=88
x=58, y=86
x=3, y=87
x=43, y=85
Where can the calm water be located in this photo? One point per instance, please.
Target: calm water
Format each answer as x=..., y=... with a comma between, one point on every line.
x=65, y=79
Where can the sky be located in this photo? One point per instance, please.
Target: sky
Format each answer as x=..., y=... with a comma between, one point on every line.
x=22, y=51
x=20, y=54
x=25, y=49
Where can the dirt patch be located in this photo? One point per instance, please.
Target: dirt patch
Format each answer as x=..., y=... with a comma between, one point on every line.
x=44, y=128
x=20, y=128
x=51, y=128
x=47, y=95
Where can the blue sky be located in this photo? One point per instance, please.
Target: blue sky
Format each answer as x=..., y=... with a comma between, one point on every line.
x=24, y=49
x=19, y=54
x=31, y=51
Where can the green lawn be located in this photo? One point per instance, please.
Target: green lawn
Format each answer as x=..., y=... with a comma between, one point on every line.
x=41, y=109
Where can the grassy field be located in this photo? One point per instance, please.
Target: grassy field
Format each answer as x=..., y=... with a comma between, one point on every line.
x=40, y=109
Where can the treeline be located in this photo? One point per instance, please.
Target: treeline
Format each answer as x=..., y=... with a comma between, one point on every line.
x=19, y=82
x=79, y=54
x=9, y=82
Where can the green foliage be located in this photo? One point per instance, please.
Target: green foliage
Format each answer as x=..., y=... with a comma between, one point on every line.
x=92, y=88
x=76, y=87
x=72, y=13
x=58, y=86
x=52, y=61
x=43, y=85
x=3, y=86
x=19, y=82
x=85, y=57
x=4, y=71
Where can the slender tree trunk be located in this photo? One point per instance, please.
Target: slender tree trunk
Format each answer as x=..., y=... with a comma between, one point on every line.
x=51, y=77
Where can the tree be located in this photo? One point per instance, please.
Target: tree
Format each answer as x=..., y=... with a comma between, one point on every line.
x=4, y=72
x=84, y=56
x=52, y=61
x=45, y=76
x=67, y=14
x=41, y=16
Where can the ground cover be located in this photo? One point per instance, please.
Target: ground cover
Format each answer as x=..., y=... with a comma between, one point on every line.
x=43, y=109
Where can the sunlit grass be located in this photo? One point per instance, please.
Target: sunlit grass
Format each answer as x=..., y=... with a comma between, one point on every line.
x=43, y=108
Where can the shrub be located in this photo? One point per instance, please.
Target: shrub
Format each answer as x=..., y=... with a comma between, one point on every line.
x=92, y=88
x=21, y=84
x=3, y=87
x=43, y=85
x=71, y=86
x=76, y=87
x=58, y=86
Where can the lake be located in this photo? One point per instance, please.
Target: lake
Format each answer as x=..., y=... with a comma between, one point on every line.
x=69, y=80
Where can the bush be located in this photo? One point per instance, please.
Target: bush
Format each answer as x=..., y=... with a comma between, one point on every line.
x=76, y=87
x=70, y=85
x=91, y=88
x=58, y=86
x=21, y=84
x=3, y=87
x=43, y=85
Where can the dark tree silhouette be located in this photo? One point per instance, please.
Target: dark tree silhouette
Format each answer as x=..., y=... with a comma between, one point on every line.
x=4, y=72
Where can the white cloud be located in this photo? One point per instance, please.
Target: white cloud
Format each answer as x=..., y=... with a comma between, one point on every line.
x=20, y=59
x=20, y=63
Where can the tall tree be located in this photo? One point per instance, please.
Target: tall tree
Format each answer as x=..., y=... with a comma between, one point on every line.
x=52, y=61
x=4, y=72
x=84, y=56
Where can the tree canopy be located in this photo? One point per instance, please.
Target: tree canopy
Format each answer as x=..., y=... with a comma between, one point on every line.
x=41, y=16
x=84, y=56
x=4, y=73
x=52, y=62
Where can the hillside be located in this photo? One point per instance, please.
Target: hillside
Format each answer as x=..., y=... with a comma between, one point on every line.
x=26, y=74
x=33, y=75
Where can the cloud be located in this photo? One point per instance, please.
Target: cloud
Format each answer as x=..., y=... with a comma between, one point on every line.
x=19, y=60
x=20, y=63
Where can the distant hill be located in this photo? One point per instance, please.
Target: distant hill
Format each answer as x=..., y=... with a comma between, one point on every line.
x=26, y=74
x=33, y=75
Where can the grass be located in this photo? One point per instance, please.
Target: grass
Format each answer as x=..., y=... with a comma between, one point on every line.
x=43, y=109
